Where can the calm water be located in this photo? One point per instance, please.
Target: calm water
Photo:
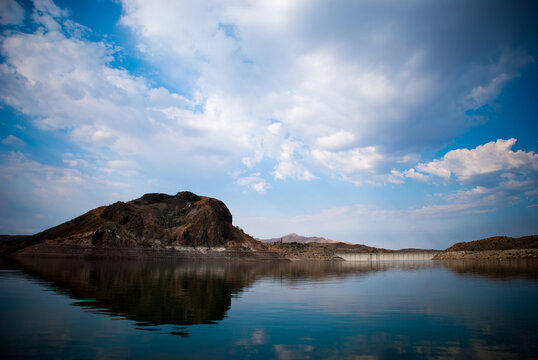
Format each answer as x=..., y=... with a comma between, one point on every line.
x=165, y=309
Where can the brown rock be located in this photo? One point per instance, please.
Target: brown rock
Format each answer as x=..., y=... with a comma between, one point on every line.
x=157, y=221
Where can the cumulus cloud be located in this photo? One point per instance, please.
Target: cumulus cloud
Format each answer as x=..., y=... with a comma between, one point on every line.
x=493, y=176
x=29, y=189
x=13, y=140
x=336, y=141
x=501, y=73
x=11, y=13
x=333, y=87
x=67, y=83
x=349, y=163
x=255, y=182
x=288, y=165
x=412, y=174
x=275, y=89
x=309, y=107
x=493, y=157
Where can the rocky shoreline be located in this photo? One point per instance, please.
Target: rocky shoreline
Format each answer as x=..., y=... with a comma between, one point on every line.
x=200, y=252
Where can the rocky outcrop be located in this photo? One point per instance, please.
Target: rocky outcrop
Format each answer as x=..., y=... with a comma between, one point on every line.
x=154, y=221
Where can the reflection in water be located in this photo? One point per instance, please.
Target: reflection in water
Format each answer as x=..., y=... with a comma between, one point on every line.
x=153, y=292
x=307, y=309
x=507, y=269
x=148, y=292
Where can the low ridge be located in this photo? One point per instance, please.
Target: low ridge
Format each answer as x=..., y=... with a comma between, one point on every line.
x=497, y=247
x=497, y=243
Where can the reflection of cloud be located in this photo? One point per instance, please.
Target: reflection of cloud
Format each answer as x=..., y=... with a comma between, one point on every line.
x=298, y=351
x=440, y=346
x=257, y=337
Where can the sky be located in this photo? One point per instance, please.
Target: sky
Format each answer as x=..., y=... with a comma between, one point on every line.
x=388, y=123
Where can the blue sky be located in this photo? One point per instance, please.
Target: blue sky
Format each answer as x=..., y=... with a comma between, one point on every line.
x=389, y=123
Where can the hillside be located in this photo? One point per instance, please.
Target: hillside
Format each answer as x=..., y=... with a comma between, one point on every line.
x=497, y=247
x=497, y=243
x=154, y=221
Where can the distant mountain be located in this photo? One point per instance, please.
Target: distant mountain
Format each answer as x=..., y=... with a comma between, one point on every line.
x=290, y=238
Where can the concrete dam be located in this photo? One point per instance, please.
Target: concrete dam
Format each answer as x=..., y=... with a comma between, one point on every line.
x=397, y=256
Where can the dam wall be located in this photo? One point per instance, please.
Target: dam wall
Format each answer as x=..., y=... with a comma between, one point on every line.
x=400, y=256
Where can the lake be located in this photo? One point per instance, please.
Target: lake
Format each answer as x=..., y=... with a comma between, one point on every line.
x=87, y=309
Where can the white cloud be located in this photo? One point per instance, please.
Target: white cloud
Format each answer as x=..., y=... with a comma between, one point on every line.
x=349, y=161
x=251, y=161
x=13, y=140
x=11, y=13
x=412, y=174
x=292, y=89
x=327, y=90
x=255, y=182
x=492, y=157
x=260, y=86
x=352, y=164
x=289, y=162
x=36, y=187
x=122, y=167
x=336, y=141
x=67, y=83
x=498, y=75
x=482, y=94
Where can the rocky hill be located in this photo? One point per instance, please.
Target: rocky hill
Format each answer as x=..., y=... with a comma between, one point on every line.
x=154, y=221
x=294, y=238
x=497, y=247
x=497, y=243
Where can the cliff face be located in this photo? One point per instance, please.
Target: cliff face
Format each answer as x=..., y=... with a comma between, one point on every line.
x=153, y=221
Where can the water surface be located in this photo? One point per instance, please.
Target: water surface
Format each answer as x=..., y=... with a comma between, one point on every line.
x=169, y=309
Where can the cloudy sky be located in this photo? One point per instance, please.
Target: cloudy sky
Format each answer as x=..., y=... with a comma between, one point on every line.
x=389, y=123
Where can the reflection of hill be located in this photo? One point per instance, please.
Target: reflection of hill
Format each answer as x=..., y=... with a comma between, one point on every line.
x=150, y=292
x=494, y=269
x=155, y=292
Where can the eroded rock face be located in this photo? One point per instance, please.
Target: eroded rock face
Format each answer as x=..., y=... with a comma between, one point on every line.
x=155, y=221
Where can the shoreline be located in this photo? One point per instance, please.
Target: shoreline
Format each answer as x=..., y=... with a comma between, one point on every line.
x=72, y=251
x=510, y=254
x=244, y=254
